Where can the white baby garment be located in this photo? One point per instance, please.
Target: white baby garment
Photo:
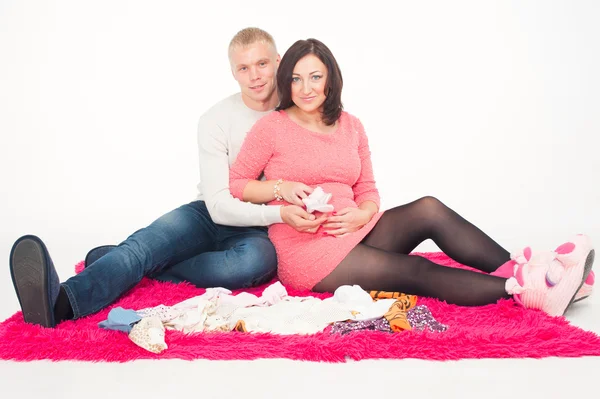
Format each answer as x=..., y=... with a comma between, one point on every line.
x=318, y=201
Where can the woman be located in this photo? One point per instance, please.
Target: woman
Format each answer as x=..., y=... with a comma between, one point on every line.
x=309, y=139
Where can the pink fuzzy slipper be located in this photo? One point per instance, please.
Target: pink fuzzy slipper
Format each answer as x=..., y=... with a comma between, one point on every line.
x=586, y=289
x=507, y=270
x=549, y=281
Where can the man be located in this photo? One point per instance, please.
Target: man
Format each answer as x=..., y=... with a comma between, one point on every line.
x=216, y=240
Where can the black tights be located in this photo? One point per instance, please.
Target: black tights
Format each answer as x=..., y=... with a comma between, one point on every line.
x=381, y=260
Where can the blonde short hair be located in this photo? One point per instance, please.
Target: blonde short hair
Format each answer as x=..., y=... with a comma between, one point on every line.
x=249, y=36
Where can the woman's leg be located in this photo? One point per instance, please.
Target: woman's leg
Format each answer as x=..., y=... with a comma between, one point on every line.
x=401, y=229
x=377, y=269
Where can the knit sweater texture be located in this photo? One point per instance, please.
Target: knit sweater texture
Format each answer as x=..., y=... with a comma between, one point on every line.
x=339, y=162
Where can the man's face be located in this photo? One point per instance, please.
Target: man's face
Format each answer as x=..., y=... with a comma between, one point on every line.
x=254, y=67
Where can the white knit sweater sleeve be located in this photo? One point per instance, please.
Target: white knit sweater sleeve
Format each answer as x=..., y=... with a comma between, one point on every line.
x=214, y=176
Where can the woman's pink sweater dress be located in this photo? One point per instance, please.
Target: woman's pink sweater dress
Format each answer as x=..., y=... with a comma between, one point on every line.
x=339, y=162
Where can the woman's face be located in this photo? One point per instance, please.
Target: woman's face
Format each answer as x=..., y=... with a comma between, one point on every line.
x=309, y=80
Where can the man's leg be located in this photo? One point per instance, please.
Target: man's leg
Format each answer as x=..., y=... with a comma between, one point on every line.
x=244, y=257
x=96, y=253
x=178, y=235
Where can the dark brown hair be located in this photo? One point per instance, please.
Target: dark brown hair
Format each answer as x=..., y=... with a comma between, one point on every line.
x=332, y=107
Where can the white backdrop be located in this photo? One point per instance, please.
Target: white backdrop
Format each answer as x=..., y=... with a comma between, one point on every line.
x=491, y=107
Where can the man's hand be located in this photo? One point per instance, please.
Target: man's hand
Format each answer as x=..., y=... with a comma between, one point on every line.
x=301, y=220
x=293, y=192
x=347, y=220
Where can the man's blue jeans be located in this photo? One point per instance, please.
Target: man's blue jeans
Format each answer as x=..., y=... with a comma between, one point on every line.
x=183, y=245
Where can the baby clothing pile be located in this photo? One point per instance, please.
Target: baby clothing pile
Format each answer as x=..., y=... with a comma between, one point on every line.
x=349, y=309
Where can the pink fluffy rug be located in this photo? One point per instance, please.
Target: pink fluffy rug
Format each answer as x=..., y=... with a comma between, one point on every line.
x=503, y=330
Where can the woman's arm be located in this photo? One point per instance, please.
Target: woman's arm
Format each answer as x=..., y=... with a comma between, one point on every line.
x=351, y=219
x=254, y=156
x=365, y=190
x=257, y=149
x=214, y=172
x=370, y=207
x=257, y=191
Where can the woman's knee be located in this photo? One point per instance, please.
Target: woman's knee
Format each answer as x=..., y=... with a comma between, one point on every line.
x=430, y=203
x=431, y=208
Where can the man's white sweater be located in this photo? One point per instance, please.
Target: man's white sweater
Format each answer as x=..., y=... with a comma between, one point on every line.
x=221, y=132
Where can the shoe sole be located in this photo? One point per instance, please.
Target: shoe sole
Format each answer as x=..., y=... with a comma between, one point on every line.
x=29, y=273
x=589, y=261
x=581, y=299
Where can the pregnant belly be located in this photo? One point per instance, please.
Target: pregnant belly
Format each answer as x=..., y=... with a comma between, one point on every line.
x=282, y=234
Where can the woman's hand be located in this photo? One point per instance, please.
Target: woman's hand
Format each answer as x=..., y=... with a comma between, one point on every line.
x=347, y=220
x=300, y=220
x=293, y=192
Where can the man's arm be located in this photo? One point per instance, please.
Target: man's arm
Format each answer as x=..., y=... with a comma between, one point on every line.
x=214, y=174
